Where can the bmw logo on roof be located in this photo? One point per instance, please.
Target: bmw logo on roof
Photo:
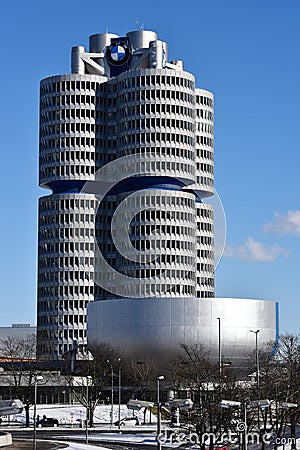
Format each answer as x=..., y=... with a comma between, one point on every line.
x=118, y=53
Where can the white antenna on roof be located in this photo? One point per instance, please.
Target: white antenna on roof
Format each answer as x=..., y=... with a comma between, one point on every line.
x=139, y=26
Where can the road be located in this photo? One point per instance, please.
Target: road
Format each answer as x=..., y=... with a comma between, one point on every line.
x=67, y=434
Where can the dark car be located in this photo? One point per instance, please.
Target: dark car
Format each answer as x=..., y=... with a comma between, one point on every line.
x=47, y=422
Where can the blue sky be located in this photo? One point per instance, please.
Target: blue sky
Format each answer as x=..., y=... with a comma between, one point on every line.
x=247, y=53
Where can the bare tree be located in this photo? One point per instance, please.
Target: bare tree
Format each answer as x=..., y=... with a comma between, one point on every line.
x=192, y=371
x=280, y=382
x=21, y=365
x=141, y=375
x=287, y=377
x=92, y=375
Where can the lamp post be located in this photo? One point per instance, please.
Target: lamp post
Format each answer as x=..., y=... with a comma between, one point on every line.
x=220, y=353
x=160, y=378
x=36, y=379
x=112, y=393
x=256, y=356
x=87, y=415
x=119, y=411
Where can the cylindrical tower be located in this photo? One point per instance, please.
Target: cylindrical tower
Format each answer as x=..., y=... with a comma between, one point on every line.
x=67, y=217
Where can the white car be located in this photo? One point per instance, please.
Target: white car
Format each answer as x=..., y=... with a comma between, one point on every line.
x=129, y=421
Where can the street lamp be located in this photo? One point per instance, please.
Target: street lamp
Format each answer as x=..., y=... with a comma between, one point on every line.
x=220, y=353
x=256, y=352
x=112, y=393
x=87, y=414
x=119, y=412
x=36, y=379
x=160, y=378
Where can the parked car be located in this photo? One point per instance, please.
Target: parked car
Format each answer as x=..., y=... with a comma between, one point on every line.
x=47, y=422
x=129, y=421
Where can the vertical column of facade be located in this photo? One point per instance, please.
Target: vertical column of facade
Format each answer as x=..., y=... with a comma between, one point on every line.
x=155, y=123
x=204, y=187
x=66, y=218
x=66, y=269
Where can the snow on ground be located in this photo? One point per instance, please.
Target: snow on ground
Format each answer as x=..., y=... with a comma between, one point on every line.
x=73, y=446
x=286, y=443
x=75, y=414
x=136, y=438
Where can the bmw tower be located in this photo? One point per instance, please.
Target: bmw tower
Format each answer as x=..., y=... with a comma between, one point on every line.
x=126, y=236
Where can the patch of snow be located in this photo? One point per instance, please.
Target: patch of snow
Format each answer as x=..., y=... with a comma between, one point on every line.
x=73, y=446
x=76, y=414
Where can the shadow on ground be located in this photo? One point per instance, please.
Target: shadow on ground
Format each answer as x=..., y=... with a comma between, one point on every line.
x=40, y=445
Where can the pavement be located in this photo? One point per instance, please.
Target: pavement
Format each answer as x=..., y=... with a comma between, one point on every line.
x=40, y=445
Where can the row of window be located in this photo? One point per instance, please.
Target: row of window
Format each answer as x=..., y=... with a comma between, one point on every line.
x=66, y=233
x=86, y=170
x=152, y=80
x=207, y=254
x=165, y=259
x=59, y=86
x=68, y=171
x=205, y=167
x=66, y=142
x=77, y=276
x=66, y=321
x=157, y=138
x=152, y=108
x=203, y=267
x=67, y=156
x=65, y=262
x=203, y=153
x=163, y=274
x=205, y=226
x=162, y=289
x=155, y=95
x=65, y=291
x=205, y=281
x=204, y=100
x=66, y=218
x=147, y=124
x=67, y=114
x=62, y=305
x=88, y=101
x=135, y=124
x=66, y=100
x=161, y=200
x=65, y=247
x=162, y=151
x=205, y=181
x=138, y=231
x=204, y=114
x=204, y=140
x=203, y=127
x=165, y=244
x=204, y=294
x=155, y=215
x=203, y=212
x=205, y=240
x=67, y=203
x=68, y=127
